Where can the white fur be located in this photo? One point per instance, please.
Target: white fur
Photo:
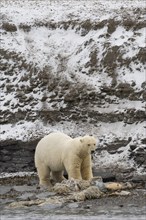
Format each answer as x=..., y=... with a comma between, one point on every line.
x=57, y=152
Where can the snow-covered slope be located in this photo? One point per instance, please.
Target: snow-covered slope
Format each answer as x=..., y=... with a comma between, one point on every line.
x=77, y=67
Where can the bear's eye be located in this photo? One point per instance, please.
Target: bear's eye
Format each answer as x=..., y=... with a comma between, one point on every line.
x=88, y=144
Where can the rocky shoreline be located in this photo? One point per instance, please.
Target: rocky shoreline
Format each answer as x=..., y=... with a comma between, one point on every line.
x=21, y=195
x=92, y=85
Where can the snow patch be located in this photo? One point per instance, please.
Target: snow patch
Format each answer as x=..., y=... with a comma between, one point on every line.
x=17, y=174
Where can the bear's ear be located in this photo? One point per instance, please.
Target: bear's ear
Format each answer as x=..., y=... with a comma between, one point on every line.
x=81, y=140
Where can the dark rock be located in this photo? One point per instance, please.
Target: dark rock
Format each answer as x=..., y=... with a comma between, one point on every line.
x=139, y=178
x=113, y=147
x=133, y=147
x=9, y=27
x=86, y=25
x=17, y=156
x=106, y=174
x=143, y=141
x=124, y=176
x=25, y=27
x=140, y=159
x=112, y=151
x=112, y=25
x=141, y=55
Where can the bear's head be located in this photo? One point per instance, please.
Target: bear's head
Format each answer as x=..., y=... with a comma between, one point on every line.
x=88, y=143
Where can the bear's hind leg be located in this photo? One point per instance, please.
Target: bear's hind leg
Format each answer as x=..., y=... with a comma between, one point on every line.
x=44, y=175
x=57, y=176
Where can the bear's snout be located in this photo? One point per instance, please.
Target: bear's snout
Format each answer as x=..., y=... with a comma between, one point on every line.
x=92, y=151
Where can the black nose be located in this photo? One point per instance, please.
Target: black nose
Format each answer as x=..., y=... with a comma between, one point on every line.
x=92, y=151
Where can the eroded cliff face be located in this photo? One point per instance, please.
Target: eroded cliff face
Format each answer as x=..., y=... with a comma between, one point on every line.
x=77, y=67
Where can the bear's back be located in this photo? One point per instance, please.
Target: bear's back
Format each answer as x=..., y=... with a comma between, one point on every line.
x=52, y=146
x=53, y=142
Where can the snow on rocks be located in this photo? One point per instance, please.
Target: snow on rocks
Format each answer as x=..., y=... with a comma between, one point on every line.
x=77, y=67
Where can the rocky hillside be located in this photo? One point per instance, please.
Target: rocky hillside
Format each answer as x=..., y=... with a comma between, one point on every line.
x=77, y=67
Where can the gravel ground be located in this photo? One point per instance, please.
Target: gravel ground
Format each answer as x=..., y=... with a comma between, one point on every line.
x=112, y=207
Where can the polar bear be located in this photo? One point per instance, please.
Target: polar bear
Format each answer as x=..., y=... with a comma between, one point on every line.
x=57, y=152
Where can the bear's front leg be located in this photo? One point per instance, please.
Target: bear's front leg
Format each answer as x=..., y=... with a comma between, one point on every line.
x=74, y=169
x=86, y=168
x=74, y=173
